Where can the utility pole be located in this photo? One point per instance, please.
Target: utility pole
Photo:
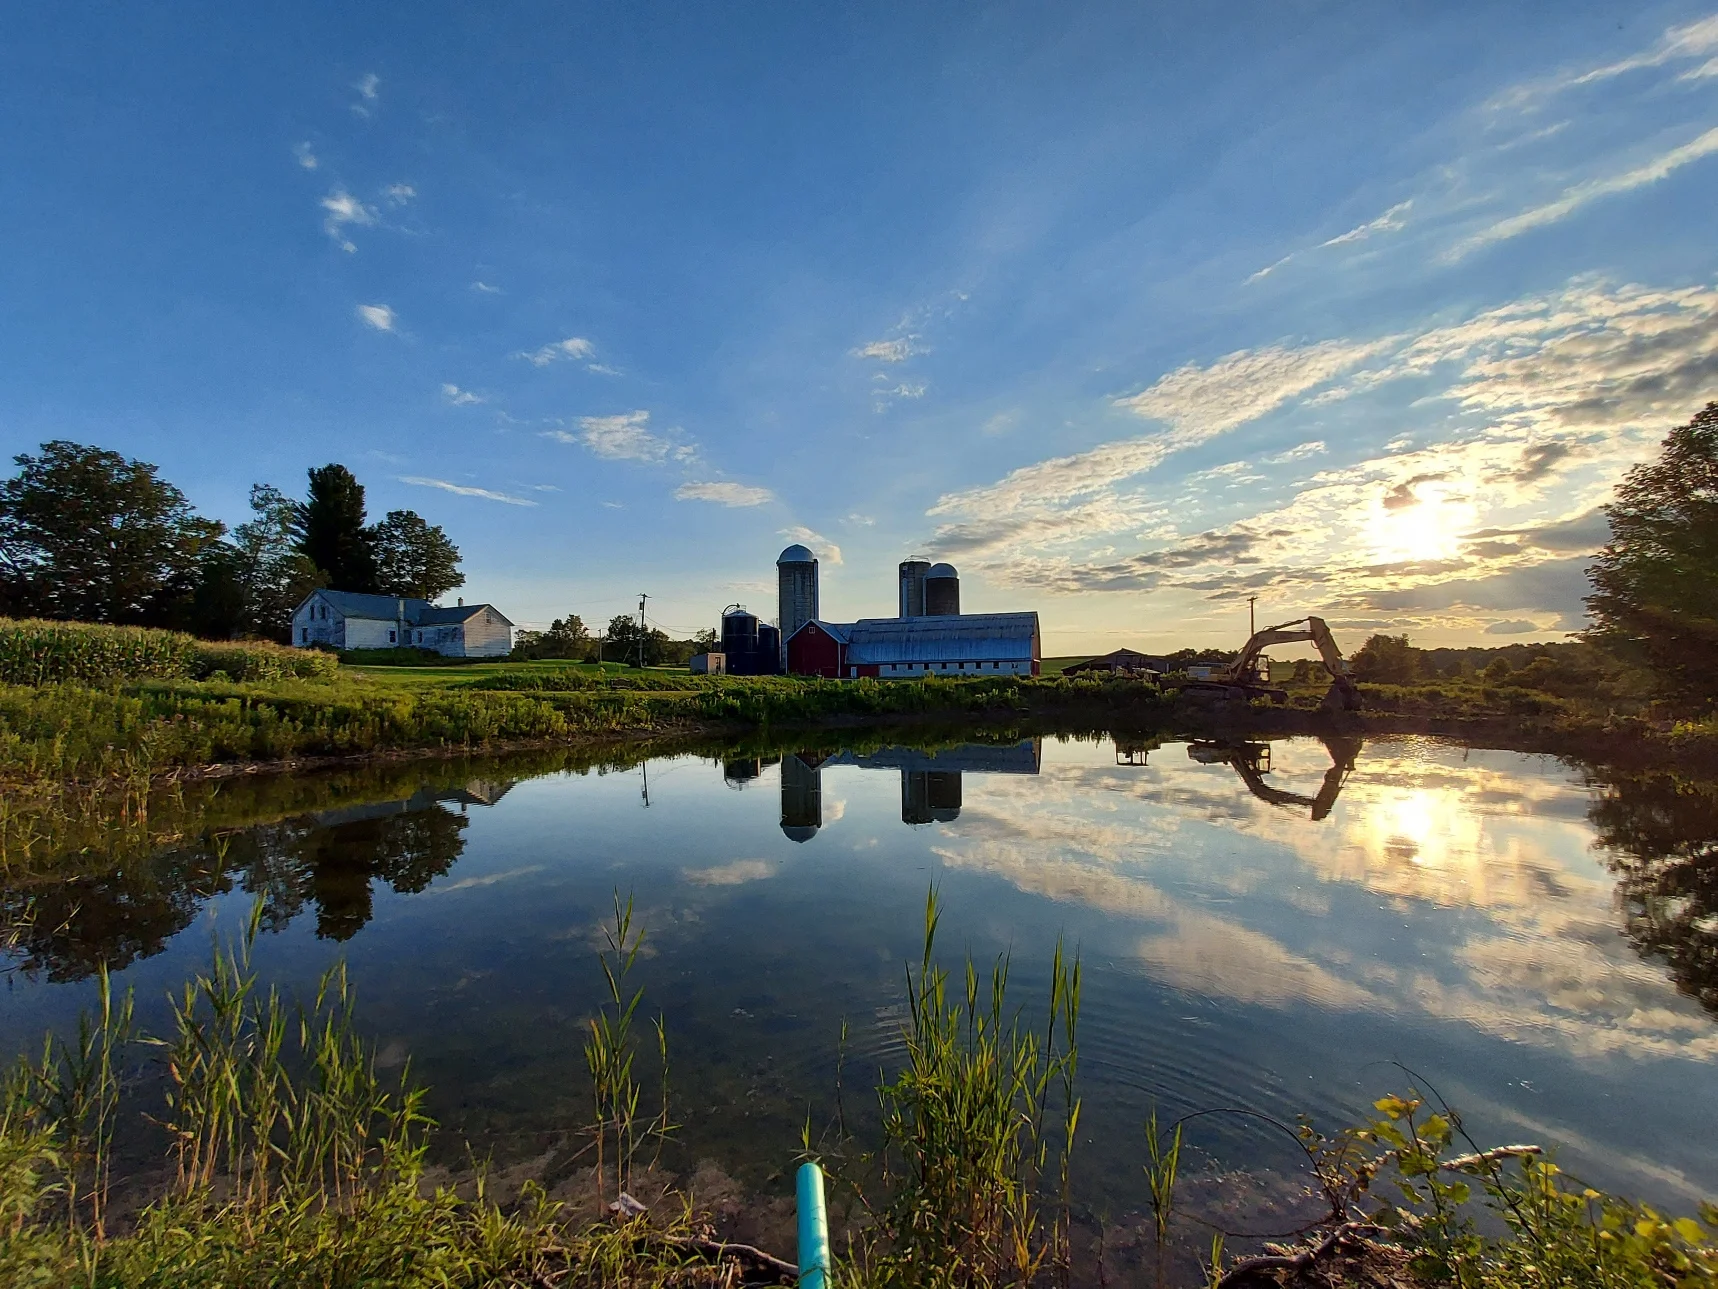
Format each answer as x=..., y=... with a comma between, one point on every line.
x=641, y=599
x=1252, y=630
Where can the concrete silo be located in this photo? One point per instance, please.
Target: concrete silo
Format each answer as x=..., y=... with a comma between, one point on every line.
x=913, y=587
x=942, y=591
x=796, y=591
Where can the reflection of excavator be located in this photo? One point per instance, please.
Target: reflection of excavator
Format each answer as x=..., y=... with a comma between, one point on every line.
x=1252, y=761
x=1244, y=673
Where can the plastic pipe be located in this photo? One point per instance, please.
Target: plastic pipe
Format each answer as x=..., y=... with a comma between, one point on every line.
x=813, y=1229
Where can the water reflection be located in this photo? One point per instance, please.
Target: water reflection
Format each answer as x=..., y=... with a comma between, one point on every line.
x=930, y=779
x=1662, y=832
x=1252, y=761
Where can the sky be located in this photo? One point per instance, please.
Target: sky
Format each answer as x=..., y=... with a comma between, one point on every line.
x=1130, y=311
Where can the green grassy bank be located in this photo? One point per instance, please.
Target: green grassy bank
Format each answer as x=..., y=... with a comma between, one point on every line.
x=127, y=706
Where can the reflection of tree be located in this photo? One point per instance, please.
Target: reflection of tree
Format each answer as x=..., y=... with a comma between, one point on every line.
x=1662, y=833
x=335, y=866
x=118, y=914
x=69, y=927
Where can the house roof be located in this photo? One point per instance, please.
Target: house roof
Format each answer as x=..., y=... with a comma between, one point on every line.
x=386, y=608
x=1130, y=658
x=964, y=637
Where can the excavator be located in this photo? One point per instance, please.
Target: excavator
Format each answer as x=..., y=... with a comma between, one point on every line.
x=1243, y=676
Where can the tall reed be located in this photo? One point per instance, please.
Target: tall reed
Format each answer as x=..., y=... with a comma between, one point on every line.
x=975, y=1198
x=611, y=1050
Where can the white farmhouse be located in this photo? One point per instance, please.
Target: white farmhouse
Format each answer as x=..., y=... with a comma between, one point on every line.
x=348, y=620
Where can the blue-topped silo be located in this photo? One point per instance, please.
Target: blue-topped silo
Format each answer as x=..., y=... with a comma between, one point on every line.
x=796, y=590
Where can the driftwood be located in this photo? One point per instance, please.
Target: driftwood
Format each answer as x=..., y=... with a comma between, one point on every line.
x=1301, y=1261
x=762, y=1268
x=1492, y=1156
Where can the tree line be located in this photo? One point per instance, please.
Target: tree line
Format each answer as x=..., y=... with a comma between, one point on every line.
x=90, y=536
x=623, y=640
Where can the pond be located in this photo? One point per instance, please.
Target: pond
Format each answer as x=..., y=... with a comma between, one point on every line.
x=1287, y=926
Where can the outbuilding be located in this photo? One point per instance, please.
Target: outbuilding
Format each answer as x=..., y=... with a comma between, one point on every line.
x=351, y=620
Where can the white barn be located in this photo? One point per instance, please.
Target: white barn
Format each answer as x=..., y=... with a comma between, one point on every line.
x=349, y=620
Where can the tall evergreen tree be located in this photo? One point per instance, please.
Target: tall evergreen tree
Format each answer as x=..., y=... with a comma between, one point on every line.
x=277, y=575
x=1655, y=585
x=89, y=535
x=413, y=557
x=331, y=531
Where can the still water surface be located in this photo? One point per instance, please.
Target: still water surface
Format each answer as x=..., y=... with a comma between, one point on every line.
x=1260, y=925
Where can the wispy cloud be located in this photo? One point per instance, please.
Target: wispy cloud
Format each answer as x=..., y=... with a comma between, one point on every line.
x=573, y=348
x=825, y=550
x=345, y=211
x=882, y=398
x=461, y=397
x=462, y=490
x=724, y=493
x=625, y=437
x=379, y=316
x=1693, y=40
x=1581, y=194
x=368, y=87
x=483, y=288
x=1390, y=221
x=305, y=156
x=399, y=194
x=896, y=350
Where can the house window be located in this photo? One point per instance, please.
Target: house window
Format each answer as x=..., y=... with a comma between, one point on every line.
x=391, y=637
x=304, y=635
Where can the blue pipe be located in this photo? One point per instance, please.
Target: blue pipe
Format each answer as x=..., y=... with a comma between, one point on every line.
x=813, y=1229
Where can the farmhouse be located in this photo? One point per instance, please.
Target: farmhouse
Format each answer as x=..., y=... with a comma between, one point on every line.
x=349, y=620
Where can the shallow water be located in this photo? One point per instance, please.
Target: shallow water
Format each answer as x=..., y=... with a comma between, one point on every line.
x=1261, y=927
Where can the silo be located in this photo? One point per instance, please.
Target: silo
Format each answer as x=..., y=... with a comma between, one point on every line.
x=801, y=798
x=796, y=583
x=913, y=587
x=942, y=795
x=942, y=590
x=770, y=661
x=740, y=640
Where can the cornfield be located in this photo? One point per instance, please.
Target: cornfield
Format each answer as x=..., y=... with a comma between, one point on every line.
x=36, y=652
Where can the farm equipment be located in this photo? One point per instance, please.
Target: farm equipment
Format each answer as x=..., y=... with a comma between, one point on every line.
x=1252, y=761
x=1246, y=677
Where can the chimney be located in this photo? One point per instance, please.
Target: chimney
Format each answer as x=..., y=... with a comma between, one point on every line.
x=462, y=601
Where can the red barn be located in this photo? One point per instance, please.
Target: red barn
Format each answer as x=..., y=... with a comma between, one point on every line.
x=965, y=644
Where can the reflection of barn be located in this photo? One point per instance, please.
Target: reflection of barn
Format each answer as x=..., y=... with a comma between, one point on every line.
x=930, y=779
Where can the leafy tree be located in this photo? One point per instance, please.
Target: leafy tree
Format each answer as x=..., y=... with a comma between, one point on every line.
x=1387, y=660
x=1655, y=584
x=413, y=557
x=221, y=600
x=87, y=534
x=706, y=641
x=331, y=531
x=275, y=573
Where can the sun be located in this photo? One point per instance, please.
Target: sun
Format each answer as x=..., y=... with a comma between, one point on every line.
x=1420, y=522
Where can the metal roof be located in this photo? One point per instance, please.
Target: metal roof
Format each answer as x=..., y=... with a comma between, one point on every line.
x=963, y=637
x=796, y=554
x=386, y=608
x=1023, y=757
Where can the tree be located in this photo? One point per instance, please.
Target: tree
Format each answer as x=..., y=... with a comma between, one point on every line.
x=276, y=574
x=1655, y=583
x=87, y=534
x=331, y=532
x=1387, y=660
x=413, y=557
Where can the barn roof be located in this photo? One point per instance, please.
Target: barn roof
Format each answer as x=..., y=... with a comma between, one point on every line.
x=964, y=637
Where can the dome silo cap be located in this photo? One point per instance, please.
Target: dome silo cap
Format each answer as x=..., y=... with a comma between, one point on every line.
x=942, y=570
x=796, y=554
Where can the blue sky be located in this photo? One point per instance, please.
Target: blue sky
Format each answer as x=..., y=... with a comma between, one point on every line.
x=1129, y=311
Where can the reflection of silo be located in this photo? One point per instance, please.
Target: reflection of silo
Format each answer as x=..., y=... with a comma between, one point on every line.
x=796, y=583
x=942, y=590
x=915, y=797
x=942, y=794
x=801, y=799
x=913, y=587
